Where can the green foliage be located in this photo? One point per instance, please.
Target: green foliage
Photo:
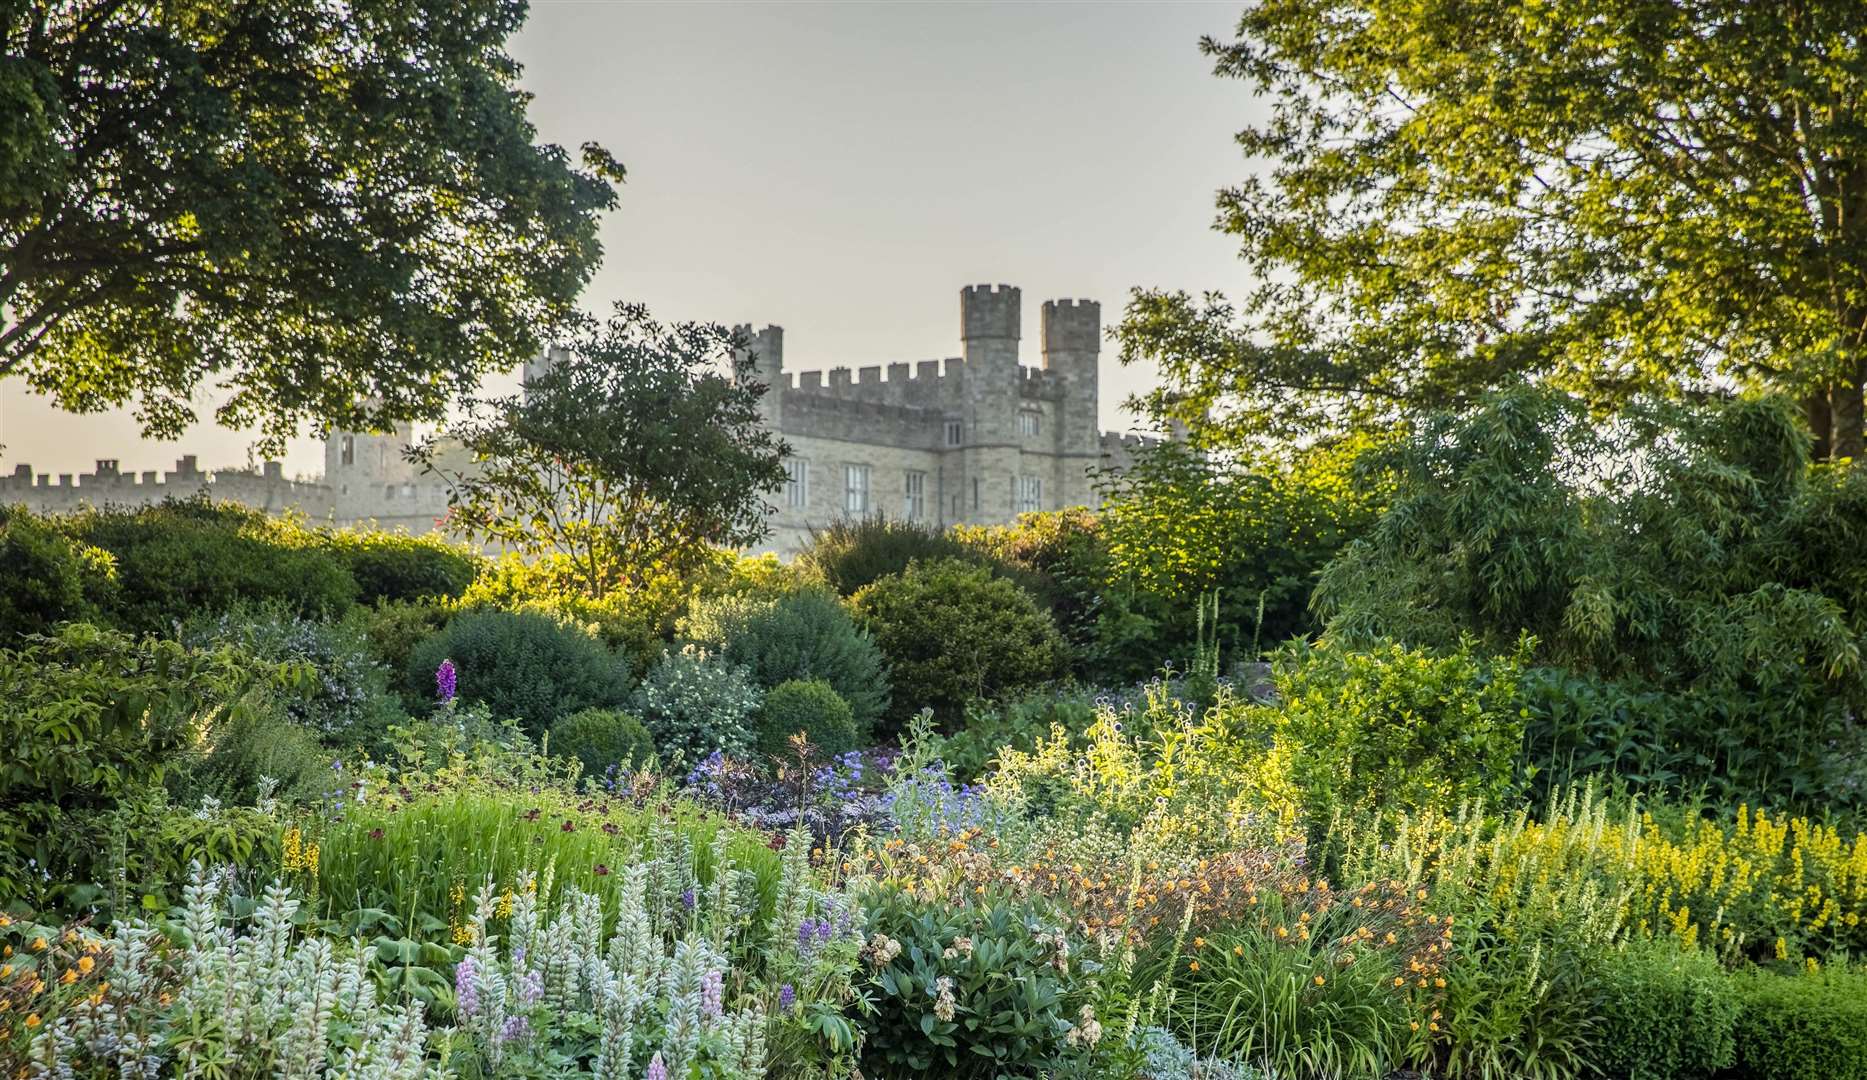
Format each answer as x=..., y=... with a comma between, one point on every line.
x=694, y=703
x=1017, y=723
x=1663, y=1013
x=805, y=634
x=45, y=577
x=600, y=739
x=93, y=719
x=851, y=553
x=1810, y=1027
x=1061, y=558
x=632, y=458
x=1606, y=196
x=1518, y=1005
x=395, y=627
x=952, y=633
x=522, y=665
x=811, y=706
x=1395, y=727
x=983, y=987
x=1292, y=1006
x=258, y=752
x=176, y=559
x=206, y=220
x=393, y=566
x=343, y=695
x=1673, y=550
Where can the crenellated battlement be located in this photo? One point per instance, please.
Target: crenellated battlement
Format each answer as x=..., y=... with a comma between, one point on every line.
x=266, y=488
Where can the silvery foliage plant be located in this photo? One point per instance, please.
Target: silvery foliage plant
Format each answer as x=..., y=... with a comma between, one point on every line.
x=234, y=1002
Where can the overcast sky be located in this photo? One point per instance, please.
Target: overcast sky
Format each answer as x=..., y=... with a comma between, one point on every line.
x=842, y=169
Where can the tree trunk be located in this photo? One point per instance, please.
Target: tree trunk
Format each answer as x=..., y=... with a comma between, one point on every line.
x=1845, y=404
x=1821, y=422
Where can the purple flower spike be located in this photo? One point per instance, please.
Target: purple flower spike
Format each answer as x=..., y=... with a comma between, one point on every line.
x=466, y=988
x=712, y=994
x=787, y=997
x=657, y=1068
x=445, y=680
x=688, y=899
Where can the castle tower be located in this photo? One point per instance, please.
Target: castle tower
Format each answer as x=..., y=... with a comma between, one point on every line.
x=1072, y=341
x=765, y=349
x=990, y=321
x=360, y=467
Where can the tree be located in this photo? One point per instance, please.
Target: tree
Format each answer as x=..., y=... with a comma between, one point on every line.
x=1615, y=197
x=334, y=212
x=632, y=457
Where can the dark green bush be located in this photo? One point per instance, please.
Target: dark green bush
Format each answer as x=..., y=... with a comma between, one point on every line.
x=811, y=706
x=395, y=627
x=1802, y=1027
x=600, y=739
x=178, y=559
x=853, y=552
x=45, y=577
x=397, y=566
x=1663, y=1013
x=1013, y=1000
x=951, y=633
x=521, y=665
x=232, y=757
x=803, y=635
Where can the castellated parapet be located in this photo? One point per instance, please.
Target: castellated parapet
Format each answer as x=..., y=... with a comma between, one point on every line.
x=972, y=439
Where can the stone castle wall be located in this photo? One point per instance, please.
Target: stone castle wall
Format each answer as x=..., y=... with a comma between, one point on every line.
x=971, y=439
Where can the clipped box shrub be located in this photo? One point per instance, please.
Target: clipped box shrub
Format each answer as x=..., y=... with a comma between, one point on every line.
x=521, y=665
x=1663, y=1013
x=810, y=706
x=1804, y=1027
x=953, y=633
x=601, y=738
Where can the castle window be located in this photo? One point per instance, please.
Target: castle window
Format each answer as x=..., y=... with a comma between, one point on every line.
x=1029, y=421
x=388, y=491
x=408, y=491
x=797, y=483
x=856, y=489
x=914, y=506
x=953, y=431
x=975, y=494
x=1030, y=494
x=347, y=450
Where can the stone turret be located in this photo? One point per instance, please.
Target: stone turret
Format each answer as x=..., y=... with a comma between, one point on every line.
x=1072, y=342
x=990, y=322
x=765, y=349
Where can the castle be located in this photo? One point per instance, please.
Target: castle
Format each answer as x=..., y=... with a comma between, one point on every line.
x=973, y=439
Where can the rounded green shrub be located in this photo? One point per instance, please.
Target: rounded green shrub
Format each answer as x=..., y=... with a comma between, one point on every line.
x=1663, y=1013
x=521, y=665
x=397, y=566
x=693, y=704
x=952, y=633
x=802, y=635
x=177, y=559
x=600, y=738
x=45, y=577
x=811, y=706
x=853, y=552
x=1802, y=1027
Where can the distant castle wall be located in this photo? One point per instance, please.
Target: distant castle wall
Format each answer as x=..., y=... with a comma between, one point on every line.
x=971, y=439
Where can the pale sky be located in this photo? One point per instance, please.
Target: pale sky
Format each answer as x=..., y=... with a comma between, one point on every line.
x=843, y=169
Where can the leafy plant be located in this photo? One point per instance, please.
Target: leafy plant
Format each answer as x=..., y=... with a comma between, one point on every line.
x=851, y=553
x=520, y=664
x=695, y=704
x=48, y=578
x=810, y=707
x=803, y=634
x=602, y=739
x=393, y=566
x=1802, y=1027
x=1663, y=1013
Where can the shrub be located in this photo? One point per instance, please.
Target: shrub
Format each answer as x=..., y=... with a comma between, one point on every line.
x=984, y=987
x=1014, y=724
x=802, y=635
x=396, y=627
x=523, y=665
x=694, y=704
x=953, y=633
x=397, y=566
x=177, y=559
x=811, y=706
x=1663, y=1013
x=636, y=622
x=855, y=552
x=1395, y=727
x=343, y=693
x=93, y=719
x=45, y=577
x=1807, y=1027
x=601, y=739
x=260, y=751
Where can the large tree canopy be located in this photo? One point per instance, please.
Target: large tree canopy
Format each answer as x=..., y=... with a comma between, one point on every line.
x=335, y=213
x=1615, y=196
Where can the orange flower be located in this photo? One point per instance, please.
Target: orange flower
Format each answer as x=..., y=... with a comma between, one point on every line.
x=1319, y=980
x=85, y=964
x=1192, y=965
